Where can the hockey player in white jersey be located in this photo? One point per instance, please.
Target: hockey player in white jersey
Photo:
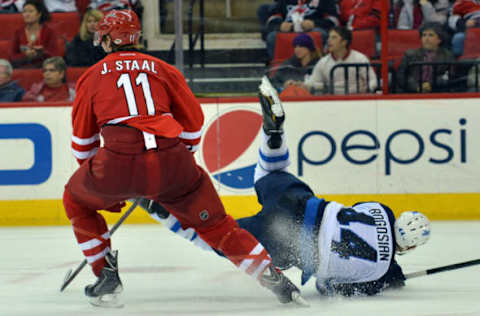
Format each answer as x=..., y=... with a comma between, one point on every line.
x=350, y=250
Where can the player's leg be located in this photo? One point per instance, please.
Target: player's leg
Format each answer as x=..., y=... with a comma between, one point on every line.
x=202, y=210
x=83, y=196
x=90, y=230
x=92, y=235
x=160, y=214
x=273, y=153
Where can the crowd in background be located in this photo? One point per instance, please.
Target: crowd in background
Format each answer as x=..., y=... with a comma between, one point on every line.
x=313, y=67
x=430, y=67
x=36, y=45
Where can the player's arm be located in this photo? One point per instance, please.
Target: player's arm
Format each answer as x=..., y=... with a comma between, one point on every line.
x=394, y=278
x=86, y=137
x=186, y=110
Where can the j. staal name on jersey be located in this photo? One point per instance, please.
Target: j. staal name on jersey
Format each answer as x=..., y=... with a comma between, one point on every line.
x=131, y=65
x=382, y=234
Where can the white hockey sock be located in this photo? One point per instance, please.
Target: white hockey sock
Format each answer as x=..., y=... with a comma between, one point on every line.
x=172, y=223
x=269, y=159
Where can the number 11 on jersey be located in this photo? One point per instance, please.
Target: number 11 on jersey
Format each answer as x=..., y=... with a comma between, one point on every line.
x=142, y=79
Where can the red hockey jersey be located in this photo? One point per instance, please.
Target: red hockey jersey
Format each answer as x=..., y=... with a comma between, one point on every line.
x=138, y=90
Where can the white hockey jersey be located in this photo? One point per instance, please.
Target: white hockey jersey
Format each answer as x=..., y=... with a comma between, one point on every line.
x=355, y=243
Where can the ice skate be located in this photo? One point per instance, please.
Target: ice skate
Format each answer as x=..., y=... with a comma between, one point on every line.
x=286, y=292
x=273, y=114
x=104, y=292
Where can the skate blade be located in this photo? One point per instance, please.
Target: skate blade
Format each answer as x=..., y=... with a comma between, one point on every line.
x=269, y=92
x=106, y=301
x=277, y=110
x=299, y=300
x=266, y=88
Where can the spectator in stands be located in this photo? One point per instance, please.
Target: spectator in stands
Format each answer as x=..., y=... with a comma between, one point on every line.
x=10, y=91
x=414, y=13
x=466, y=14
x=81, y=52
x=107, y=5
x=271, y=15
x=61, y=5
x=11, y=6
x=360, y=14
x=36, y=41
x=299, y=65
x=14, y=6
x=426, y=78
x=339, y=41
x=54, y=86
x=306, y=16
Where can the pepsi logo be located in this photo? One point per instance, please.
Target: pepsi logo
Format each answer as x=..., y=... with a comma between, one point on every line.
x=230, y=147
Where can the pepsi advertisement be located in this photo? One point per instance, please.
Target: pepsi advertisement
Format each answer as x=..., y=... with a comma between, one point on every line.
x=346, y=147
x=409, y=154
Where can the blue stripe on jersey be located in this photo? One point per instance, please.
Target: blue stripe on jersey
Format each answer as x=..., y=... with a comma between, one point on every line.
x=275, y=158
x=306, y=238
x=194, y=236
x=175, y=227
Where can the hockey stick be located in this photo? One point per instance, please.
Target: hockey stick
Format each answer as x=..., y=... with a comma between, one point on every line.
x=442, y=269
x=71, y=275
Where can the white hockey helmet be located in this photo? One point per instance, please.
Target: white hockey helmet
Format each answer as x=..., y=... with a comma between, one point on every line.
x=412, y=229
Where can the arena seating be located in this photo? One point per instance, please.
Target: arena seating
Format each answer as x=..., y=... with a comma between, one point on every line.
x=10, y=23
x=399, y=41
x=364, y=42
x=5, y=49
x=73, y=73
x=82, y=5
x=27, y=77
x=66, y=24
x=471, y=49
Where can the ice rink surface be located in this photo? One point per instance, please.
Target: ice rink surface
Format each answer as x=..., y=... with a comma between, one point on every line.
x=164, y=274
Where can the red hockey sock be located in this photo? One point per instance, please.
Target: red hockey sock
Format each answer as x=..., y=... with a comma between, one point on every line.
x=91, y=232
x=238, y=245
x=98, y=265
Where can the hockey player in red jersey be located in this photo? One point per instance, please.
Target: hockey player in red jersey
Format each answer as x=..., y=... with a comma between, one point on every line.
x=135, y=126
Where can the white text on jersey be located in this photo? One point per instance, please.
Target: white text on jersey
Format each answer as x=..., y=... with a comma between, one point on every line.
x=131, y=65
x=382, y=234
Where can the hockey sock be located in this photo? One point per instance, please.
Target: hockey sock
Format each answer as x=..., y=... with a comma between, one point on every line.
x=91, y=232
x=271, y=159
x=172, y=223
x=238, y=245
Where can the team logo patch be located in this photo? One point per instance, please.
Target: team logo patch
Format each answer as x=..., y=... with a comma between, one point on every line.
x=228, y=149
